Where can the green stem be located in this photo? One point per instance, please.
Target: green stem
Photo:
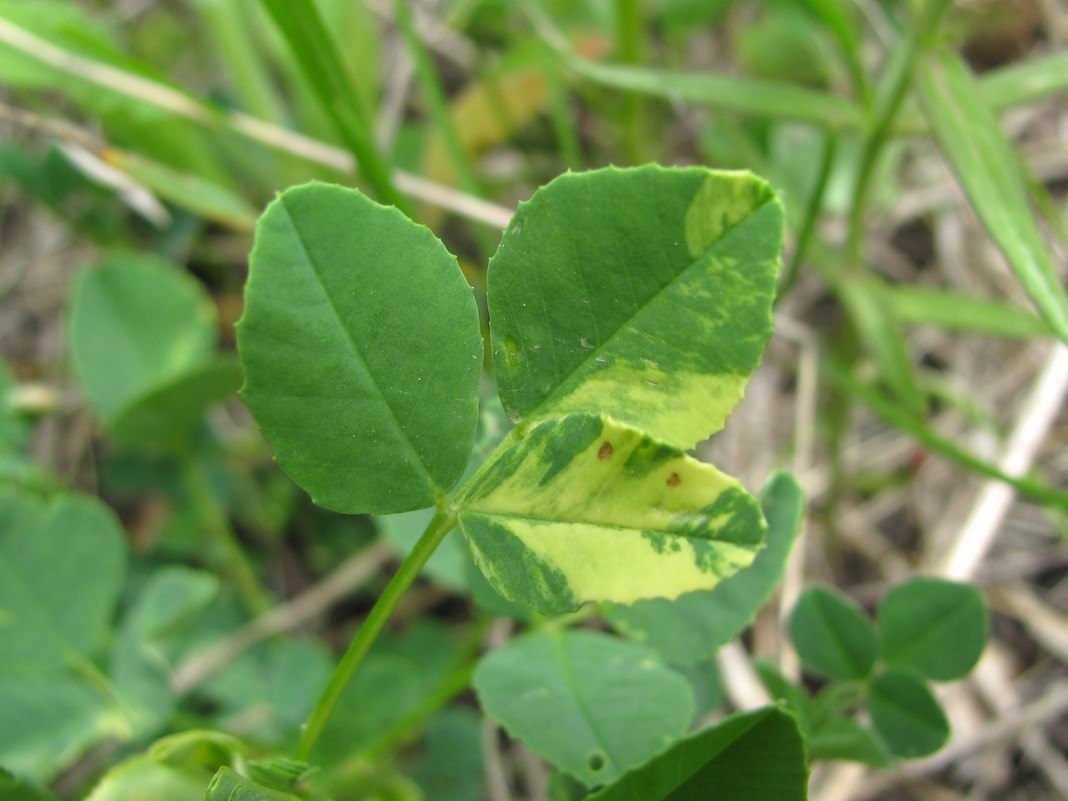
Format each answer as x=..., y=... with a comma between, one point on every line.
x=228, y=23
x=315, y=51
x=225, y=551
x=438, y=106
x=442, y=523
x=630, y=46
x=812, y=213
x=888, y=103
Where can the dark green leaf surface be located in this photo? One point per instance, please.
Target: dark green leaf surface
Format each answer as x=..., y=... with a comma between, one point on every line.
x=361, y=349
x=136, y=323
x=751, y=756
x=693, y=626
x=589, y=703
x=906, y=715
x=61, y=570
x=988, y=170
x=585, y=509
x=935, y=627
x=832, y=635
x=641, y=293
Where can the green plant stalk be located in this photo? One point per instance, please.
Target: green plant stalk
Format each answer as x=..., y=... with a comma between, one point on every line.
x=443, y=522
x=225, y=550
x=812, y=212
x=301, y=25
x=438, y=106
x=888, y=102
x=560, y=116
x=630, y=46
x=892, y=414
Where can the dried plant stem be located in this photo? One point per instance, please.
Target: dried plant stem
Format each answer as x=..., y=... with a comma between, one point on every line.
x=184, y=105
x=1034, y=421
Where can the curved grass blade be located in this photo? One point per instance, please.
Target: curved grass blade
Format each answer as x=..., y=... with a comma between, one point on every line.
x=586, y=509
x=987, y=168
x=362, y=352
x=642, y=293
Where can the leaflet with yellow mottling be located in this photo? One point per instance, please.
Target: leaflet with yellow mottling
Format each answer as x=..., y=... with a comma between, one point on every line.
x=642, y=293
x=586, y=509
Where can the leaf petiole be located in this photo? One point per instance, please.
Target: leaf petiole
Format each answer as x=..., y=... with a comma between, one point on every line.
x=442, y=523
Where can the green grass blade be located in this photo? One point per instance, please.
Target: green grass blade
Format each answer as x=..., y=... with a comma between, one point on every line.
x=745, y=95
x=957, y=312
x=986, y=166
x=301, y=25
x=898, y=417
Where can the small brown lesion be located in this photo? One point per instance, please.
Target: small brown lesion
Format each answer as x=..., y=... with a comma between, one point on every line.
x=674, y=480
x=604, y=453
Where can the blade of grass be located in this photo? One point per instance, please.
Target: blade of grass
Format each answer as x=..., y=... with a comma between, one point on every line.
x=228, y=24
x=438, y=105
x=957, y=312
x=889, y=96
x=897, y=417
x=745, y=95
x=813, y=208
x=882, y=334
x=185, y=105
x=987, y=168
x=311, y=43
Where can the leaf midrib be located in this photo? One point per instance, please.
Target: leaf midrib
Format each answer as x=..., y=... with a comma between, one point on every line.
x=355, y=350
x=539, y=410
x=557, y=521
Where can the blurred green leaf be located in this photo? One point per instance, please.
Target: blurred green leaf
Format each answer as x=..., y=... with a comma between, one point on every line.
x=185, y=189
x=164, y=419
x=451, y=768
x=935, y=627
x=226, y=785
x=50, y=720
x=346, y=371
x=906, y=715
x=449, y=563
x=832, y=635
x=136, y=323
x=589, y=703
x=143, y=661
x=750, y=756
x=144, y=779
x=843, y=738
x=61, y=571
x=693, y=626
x=988, y=170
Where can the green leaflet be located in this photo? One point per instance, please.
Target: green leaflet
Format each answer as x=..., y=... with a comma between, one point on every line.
x=641, y=293
x=584, y=508
x=362, y=352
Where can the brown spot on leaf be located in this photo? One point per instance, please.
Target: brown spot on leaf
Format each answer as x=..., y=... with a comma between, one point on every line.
x=604, y=453
x=674, y=480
